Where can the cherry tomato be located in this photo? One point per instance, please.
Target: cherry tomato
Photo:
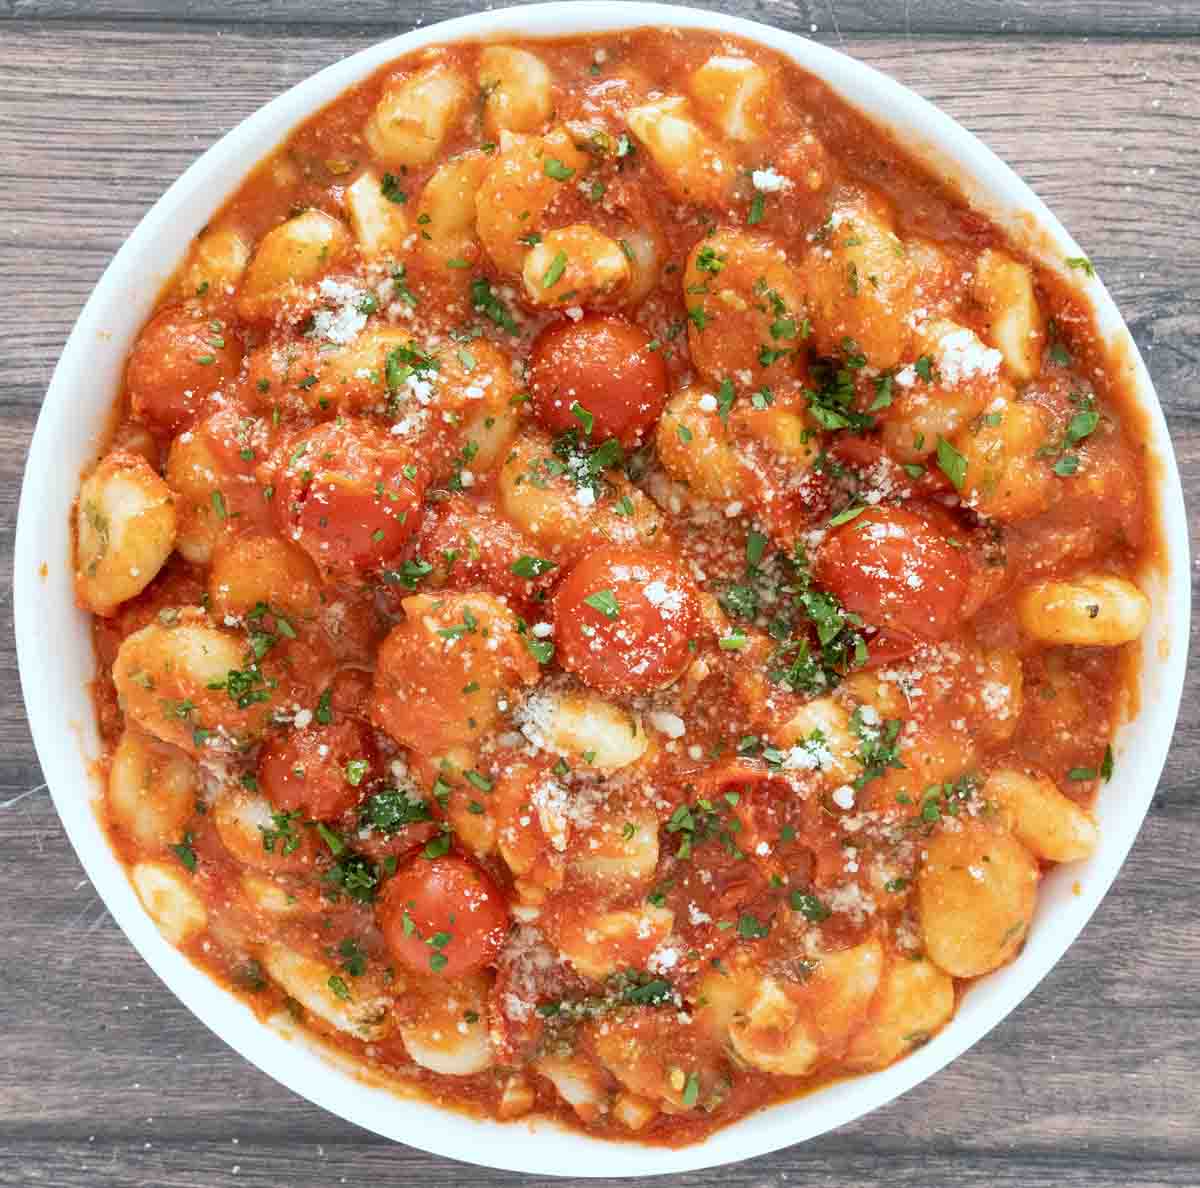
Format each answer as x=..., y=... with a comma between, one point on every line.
x=178, y=360
x=443, y=915
x=322, y=770
x=349, y=496
x=623, y=618
x=897, y=571
x=603, y=367
x=483, y=547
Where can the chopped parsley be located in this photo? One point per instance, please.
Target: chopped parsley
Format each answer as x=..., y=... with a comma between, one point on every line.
x=879, y=749
x=706, y=820
x=485, y=301
x=809, y=906
x=531, y=567
x=554, y=273
x=391, y=810
x=282, y=833
x=951, y=463
x=605, y=601
x=389, y=187
x=184, y=852
x=324, y=712
x=355, y=876
x=750, y=927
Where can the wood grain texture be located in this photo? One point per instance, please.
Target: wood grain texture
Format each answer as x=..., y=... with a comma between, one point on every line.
x=108, y=1081
x=1157, y=18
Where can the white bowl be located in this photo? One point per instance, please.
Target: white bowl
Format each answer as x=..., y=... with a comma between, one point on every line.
x=56, y=660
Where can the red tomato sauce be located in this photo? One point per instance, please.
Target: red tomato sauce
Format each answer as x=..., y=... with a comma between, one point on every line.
x=607, y=500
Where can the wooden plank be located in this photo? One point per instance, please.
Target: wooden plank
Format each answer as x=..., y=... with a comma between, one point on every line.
x=108, y=1080
x=79, y=1163
x=1157, y=18
x=102, y=121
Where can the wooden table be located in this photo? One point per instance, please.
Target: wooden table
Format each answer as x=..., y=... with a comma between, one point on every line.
x=105, y=1079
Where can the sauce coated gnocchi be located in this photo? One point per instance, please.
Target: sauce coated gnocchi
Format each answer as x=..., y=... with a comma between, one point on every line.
x=612, y=585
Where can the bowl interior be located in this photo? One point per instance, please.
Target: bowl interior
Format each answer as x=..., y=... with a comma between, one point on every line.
x=56, y=661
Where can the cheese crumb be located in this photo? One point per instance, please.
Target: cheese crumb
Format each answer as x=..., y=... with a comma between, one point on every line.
x=672, y=725
x=767, y=181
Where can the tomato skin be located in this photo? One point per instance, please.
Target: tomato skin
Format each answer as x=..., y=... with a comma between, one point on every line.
x=886, y=647
x=605, y=364
x=307, y=769
x=484, y=546
x=896, y=570
x=645, y=646
x=349, y=496
x=443, y=895
x=432, y=699
x=166, y=379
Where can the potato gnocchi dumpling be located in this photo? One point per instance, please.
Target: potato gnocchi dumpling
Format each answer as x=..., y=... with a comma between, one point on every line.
x=746, y=308
x=250, y=571
x=172, y=902
x=563, y=511
x=517, y=88
x=366, y=1012
x=296, y=253
x=380, y=225
x=415, y=115
x=1004, y=287
x=976, y=890
x=1050, y=824
x=575, y=264
x=735, y=94
x=446, y=674
x=175, y=683
x=447, y=1033
x=610, y=585
x=152, y=790
x=216, y=263
x=696, y=447
x=1096, y=610
x=914, y=1000
x=860, y=283
x=529, y=178
x=694, y=166
x=446, y=212
x=125, y=524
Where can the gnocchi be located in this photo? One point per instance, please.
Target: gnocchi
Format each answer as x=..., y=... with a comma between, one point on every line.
x=152, y=790
x=379, y=222
x=609, y=583
x=1093, y=610
x=1049, y=824
x=294, y=254
x=517, y=89
x=415, y=114
x=694, y=166
x=125, y=525
x=976, y=893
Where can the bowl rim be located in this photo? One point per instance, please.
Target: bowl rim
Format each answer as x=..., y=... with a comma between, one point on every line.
x=551, y=1150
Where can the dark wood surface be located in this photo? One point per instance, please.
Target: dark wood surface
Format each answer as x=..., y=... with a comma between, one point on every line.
x=105, y=1080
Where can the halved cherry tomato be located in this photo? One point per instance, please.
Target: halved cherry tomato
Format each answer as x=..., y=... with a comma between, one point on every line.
x=443, y=915
x=623, y=618
x=178, y=360
x=323, y=770
x=601, y=367
x=349, y=496
x=897, y=571
x=471, y=546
